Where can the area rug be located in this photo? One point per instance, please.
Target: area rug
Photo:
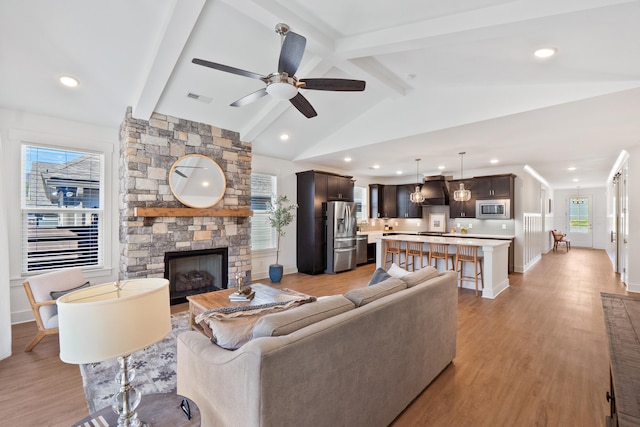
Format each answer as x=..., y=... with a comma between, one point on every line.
x=155, y=369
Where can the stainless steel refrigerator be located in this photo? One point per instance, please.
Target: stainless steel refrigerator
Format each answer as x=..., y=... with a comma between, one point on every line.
x=341, y=236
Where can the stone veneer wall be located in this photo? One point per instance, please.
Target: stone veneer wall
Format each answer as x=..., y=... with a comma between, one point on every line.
x=148, y=149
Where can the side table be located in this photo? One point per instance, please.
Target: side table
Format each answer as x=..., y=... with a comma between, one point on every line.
x=156, y=409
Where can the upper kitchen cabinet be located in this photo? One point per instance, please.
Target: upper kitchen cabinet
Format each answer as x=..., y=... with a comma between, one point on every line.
x=312, y=192
x=340, y=188
x=405, y=208
x=382, y=201
x=494, y=187
x=462, y=209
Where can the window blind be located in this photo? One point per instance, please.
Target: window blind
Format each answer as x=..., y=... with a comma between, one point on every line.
x=62, y=215
x=263, y=189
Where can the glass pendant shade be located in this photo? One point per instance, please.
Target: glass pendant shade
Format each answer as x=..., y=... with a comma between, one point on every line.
x=461, y=195
x=416, y=196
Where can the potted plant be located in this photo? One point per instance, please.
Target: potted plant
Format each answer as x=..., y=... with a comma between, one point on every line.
x=279, y=216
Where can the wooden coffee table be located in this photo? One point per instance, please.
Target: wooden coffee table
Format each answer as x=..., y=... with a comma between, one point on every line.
x=220, y=299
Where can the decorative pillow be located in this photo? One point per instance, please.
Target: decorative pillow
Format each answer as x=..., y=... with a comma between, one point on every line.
x=363, y=296
x=285, y=322
x=420, y=276
x=378, y=276
x=395, y=271
x=58, y=294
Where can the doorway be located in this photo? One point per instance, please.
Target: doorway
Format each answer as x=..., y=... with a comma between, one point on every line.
x=580, y=220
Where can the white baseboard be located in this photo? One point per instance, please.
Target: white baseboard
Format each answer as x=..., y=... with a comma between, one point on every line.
x=22, y=317
x=633, y=287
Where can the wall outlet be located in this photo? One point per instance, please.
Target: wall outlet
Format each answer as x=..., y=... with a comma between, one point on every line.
x=396, y=223
x=470, y=226
x=457, y=225
x=504, y=226
x=418, y=225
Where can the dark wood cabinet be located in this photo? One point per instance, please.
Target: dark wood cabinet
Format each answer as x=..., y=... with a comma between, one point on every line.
x=382, y=201
x=339, y=188
x=313, y=190
x=462, y=209
x=404, y=207
x=494, y=187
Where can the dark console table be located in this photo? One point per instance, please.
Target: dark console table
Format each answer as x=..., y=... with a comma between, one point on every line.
x=622, y=321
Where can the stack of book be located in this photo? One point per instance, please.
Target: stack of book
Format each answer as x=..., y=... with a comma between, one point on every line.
x=246, y=294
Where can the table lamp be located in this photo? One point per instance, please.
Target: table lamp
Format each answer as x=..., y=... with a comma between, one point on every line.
x=115, y=320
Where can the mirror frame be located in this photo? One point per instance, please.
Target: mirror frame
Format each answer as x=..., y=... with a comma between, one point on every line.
x=216, y=175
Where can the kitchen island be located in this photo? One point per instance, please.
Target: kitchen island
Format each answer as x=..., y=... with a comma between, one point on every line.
x=495, y=252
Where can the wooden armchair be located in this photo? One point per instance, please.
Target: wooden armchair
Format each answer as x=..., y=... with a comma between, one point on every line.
x=43, y=303
x=559, y=239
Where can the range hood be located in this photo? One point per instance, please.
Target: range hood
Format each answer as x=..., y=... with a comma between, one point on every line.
x=435, y=190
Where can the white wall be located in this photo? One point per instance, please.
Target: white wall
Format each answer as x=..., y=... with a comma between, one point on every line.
x=16, y=127
x=5, y=305
x=633, y=245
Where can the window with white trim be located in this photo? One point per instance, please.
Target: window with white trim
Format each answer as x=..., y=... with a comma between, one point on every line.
x=263, y=190
x=360, y=197
x=62, y=208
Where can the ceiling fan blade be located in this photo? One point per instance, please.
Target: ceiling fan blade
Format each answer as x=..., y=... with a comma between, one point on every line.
x=245, y=100
x=291, y=53
x=180, y=173
x=304, y=106
x=228, y=69
x=343, y=85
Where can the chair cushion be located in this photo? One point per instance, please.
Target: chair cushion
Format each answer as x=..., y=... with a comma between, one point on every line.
x=58, y=294
x=363, y=296
x=285, y=322
x=420, y=276
x=378, y=276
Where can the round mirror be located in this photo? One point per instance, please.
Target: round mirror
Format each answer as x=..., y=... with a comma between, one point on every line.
x=197, y=181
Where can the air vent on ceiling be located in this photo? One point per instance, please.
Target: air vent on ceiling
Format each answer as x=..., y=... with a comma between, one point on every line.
x=200, y=98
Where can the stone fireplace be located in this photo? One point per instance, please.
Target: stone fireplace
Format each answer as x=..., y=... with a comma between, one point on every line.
x=195, y=272
x=148, y=149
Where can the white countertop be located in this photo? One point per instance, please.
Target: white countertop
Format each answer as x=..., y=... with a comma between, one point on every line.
x=480, y=236
x=448, y=240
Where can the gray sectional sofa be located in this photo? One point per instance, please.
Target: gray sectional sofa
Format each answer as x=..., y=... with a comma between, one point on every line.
x=361, y=367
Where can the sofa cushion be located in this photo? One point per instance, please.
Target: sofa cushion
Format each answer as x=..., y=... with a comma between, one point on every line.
x=285, y=322
x=378, y=276
x=395, y=271
x=363, y=296
x=420, y=276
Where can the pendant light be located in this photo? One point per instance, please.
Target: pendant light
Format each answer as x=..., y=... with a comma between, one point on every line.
x=416, y=196
x=462, y=195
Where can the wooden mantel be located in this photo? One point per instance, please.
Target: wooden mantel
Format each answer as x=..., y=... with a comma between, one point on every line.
x=158, y=212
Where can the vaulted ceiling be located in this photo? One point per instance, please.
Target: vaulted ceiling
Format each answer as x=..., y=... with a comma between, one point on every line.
x=443, y=76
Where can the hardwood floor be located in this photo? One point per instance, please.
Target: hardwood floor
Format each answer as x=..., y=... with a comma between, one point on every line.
x=534, y=356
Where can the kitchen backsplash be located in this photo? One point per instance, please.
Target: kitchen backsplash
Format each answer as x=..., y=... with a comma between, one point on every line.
x=474, y=226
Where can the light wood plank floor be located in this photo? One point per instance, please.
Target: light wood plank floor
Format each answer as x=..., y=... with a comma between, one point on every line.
x=535, y=356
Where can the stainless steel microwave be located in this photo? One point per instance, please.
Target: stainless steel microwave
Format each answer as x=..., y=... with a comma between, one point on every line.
x=493, y=209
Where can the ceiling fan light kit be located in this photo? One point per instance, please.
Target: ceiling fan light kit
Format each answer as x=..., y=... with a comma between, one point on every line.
x=462, y=194
x=284, y=85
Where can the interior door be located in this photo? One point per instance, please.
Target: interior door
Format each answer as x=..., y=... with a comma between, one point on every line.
x=580, y=220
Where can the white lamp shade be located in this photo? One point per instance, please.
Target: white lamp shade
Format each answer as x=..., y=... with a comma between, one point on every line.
x=100, y=323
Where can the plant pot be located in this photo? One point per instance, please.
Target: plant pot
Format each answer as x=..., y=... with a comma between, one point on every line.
x=275, y=273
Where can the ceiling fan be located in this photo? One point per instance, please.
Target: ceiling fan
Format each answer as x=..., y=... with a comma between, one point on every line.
x=284, y=84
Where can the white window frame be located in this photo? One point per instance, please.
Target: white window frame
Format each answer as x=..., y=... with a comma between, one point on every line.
x=70, y=216
x=260, y=216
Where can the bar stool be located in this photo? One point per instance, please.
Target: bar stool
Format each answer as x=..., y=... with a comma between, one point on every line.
x=391, y=247
x=413, y=250
x=469, y=254
x=440, y=251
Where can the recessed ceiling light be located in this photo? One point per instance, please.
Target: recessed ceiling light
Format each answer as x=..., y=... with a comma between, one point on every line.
x=494, y=161
x=347, y=159
x=571, y=168
x=441, y=167
x=399, y=172
x=575, y=180
x=69, y=81
x=376, y=166
x=284, y=137
x=545, y=52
